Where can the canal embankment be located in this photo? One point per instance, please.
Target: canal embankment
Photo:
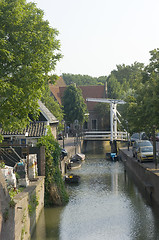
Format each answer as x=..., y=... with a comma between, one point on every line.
x=105, y=205
x=20, y=216
x=145, y=175
x=72, y=147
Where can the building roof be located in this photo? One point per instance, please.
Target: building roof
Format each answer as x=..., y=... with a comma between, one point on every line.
x=47, y=114
x=60, y=82
x=56, y=93
x=92, y=92
x=34, y=129
x=87, y=92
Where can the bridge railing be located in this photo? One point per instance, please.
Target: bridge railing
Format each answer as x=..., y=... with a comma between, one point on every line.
x=104, y=135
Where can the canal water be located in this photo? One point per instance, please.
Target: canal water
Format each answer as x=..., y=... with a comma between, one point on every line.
x=106, y=205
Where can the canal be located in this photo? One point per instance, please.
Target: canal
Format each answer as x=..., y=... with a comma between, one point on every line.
x=106, y=205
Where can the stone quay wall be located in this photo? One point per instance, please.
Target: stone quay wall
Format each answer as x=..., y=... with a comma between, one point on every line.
x=18, y=218
x=147, y=179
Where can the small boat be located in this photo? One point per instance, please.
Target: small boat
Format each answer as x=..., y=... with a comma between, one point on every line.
x=112, y=156
x=78, y=156
x=74, y=164
x=71, y=178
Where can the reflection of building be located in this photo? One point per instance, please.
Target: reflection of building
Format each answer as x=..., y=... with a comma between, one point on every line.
x=34, y=130
x=99, y=91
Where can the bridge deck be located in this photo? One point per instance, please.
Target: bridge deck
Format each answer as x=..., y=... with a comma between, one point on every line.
x=104, y=136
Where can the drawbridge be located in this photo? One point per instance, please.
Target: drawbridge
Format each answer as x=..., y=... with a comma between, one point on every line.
x=113, y=134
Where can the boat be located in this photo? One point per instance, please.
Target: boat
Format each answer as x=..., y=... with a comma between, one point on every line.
x=76, y=161
x=111, y=156
x=78, y=156
x=74, y=164
x=71, y=178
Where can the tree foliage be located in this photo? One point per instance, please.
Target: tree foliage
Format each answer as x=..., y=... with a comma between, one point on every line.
x=142, y=110
x=74, y=105
x=125, y=80
x=83, y=80
x=29, y=50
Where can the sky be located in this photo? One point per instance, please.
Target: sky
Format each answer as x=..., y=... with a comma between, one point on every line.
x=97, y=35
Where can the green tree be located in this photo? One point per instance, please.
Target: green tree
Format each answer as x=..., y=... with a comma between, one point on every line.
x=129, y=116
x=148, y=102
x=125, y=80
x=29, y=50
x=147, y=94
x=141, y=110
x=114, y=88
x=83, y=80
x=74, y=105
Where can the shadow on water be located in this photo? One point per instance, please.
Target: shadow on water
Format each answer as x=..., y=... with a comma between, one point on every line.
x=48, y=224
x=105, y=205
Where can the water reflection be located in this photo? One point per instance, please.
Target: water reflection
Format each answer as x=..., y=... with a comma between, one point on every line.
x=105, y=205
x=48, y=224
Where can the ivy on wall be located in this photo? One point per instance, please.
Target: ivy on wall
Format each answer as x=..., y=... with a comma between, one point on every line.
x=55, y=192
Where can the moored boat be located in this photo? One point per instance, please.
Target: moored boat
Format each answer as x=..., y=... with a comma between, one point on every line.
x=78, y=156
x=71, y=178
x=74, y=164
x=111, y=156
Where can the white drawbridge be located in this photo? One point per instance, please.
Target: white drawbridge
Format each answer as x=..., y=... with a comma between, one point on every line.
x=113, y=114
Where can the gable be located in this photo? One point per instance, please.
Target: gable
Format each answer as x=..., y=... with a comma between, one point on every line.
x=47, y=114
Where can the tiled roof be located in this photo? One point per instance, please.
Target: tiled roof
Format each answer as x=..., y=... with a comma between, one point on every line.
x=56, y=92
x=34, y=129
x=87, y=92
x=60, y=82
x=92, y=92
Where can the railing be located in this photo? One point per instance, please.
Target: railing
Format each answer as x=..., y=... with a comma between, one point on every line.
x=104, y=135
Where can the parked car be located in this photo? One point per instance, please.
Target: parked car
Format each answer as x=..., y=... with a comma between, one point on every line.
x=134, y=137
x=145, y=154
x=140, y=143
x=138, y=136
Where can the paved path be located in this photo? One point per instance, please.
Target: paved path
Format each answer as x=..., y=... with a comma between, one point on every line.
x=68, y=142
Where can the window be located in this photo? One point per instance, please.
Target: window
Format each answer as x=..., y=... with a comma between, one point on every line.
x=94, y=124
